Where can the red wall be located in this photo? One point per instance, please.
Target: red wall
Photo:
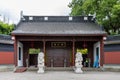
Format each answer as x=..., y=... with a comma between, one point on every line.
x=112, y=57
x=6, y=57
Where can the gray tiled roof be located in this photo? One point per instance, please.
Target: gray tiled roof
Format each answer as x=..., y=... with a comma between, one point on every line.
x=58, y=27
x=6, y=39
x=113, y=39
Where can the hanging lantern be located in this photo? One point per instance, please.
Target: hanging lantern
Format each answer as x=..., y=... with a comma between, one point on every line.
x=32, y=44
x=84, y=45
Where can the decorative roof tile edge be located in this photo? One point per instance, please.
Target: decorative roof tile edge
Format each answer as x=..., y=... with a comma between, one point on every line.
x=6, y=39
x=6, y=42
x=112, y=39
x=26, y=18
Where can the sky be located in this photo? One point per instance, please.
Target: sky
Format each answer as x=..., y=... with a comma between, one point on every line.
x=11, y=8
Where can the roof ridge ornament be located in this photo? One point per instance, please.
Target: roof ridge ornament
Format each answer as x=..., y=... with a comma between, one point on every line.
x=70, y=18
x=22, y=16
x=45, y=18
x=85, y=18
x=30, y=18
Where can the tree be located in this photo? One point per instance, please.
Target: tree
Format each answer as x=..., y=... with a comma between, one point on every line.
x=6, y=28
x=106, y=12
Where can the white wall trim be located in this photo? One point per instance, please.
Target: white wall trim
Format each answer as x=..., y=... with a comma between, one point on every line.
x=20, y=62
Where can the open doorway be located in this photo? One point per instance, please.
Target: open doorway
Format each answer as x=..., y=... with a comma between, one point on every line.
x=86, y=59
x=96, y=55
x=31, y=50
x=86, y=48
x=33, y=54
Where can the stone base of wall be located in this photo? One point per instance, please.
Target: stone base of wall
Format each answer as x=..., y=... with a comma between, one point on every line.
x=112, y=67
x=4, y=68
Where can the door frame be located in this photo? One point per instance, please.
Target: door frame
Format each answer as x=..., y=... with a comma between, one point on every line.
x=97, y=46
x=20, y=54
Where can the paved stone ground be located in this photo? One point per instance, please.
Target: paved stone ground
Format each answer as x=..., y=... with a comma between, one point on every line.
x=60, y=75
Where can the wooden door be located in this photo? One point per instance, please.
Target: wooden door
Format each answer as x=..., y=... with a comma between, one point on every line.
x=58, y=57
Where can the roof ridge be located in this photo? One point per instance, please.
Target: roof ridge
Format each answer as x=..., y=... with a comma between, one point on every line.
x=57, y=19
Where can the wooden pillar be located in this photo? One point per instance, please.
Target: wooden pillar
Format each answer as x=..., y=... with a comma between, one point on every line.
x=15, y=52
x=73, y=53
x=44, y=50
x=101, y=53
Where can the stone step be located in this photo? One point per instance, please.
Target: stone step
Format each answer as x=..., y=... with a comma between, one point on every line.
x=71, y=69
x=51, y=69
x=64, y=69
x=20, y=69
x=58, y=69
x=32, y=68
x=91, y=69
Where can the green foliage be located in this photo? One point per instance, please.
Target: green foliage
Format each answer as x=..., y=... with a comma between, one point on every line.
x=6, y=28
x=107, y=12
x=83, y=51
x=76, y=9
x=34, y=51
